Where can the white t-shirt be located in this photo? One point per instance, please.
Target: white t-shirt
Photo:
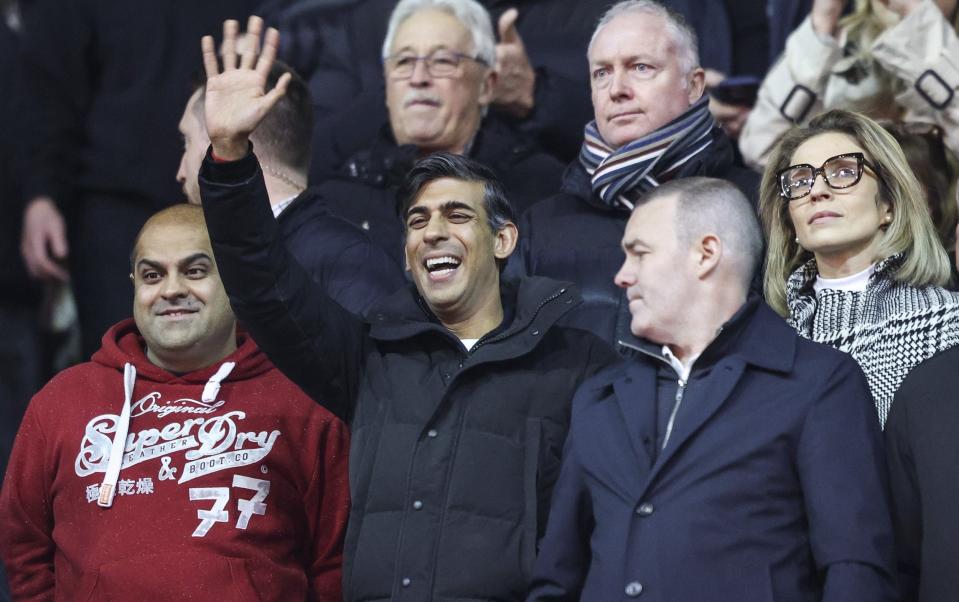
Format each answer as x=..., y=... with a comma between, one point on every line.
x=468, y=343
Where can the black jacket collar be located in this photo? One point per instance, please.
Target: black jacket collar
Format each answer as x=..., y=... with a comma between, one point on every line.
x=384, y=163
x=531, y=304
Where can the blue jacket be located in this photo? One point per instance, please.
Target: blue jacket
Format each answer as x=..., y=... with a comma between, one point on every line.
x=771, y=486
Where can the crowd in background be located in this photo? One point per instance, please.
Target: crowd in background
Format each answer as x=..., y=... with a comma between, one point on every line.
x=103, y=105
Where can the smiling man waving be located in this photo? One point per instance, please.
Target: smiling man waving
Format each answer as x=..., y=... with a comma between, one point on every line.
x=457, y=389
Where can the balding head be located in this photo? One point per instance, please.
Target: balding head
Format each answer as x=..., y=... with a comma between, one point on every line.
x=179, y=304
x=711, y=206
x=181, y=215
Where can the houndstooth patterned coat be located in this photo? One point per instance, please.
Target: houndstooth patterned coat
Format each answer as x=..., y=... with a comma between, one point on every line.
x=889, y=328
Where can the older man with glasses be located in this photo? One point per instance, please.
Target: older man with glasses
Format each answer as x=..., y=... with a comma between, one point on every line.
x=438, y=58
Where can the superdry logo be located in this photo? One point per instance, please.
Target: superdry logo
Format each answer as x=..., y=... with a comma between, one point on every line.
x=211, y=443
x=153, y=404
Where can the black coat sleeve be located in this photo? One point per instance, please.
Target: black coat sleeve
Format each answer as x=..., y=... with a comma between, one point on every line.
x=564, y=553
x=906, y=503
x=313, y=340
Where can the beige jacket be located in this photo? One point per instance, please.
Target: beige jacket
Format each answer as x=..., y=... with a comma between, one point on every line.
x=918, y=81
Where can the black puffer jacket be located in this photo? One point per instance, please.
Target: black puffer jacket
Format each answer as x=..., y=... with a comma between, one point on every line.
x=574, y=236
x=364, y=193
x=454, y=453
x=355, y=271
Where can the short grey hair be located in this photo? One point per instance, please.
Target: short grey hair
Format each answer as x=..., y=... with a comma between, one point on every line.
x=710, y=205
x=468, y=12
x=687, y=44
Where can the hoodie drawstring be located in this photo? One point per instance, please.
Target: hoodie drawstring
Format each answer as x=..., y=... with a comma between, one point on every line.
x=212, y=388
x=109, y=486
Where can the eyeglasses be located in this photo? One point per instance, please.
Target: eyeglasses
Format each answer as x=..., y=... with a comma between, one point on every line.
x=841, y=171
x=439, y=63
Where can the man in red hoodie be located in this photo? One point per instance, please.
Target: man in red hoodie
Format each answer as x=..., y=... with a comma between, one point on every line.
x=178, y=463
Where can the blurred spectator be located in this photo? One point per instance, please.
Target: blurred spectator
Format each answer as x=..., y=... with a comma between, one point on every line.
x=889, y=59
x=438, y=57
x=758, y=34
x=929, y=160
x=355, y=271
x=101, y=89
x=853, y=258
x=20, y=356
x=652, y=124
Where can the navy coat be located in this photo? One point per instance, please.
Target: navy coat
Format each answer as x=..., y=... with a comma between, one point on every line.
x=771, y=488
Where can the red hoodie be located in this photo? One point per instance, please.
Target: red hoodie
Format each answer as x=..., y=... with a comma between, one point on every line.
x=242, y=496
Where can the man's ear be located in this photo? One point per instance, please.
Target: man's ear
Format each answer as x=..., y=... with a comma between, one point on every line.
x=487, y=86
x=506, y=238
x=708, y=253
x=697, y=84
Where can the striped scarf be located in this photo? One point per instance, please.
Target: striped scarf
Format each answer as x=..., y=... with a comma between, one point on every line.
x=621, y=176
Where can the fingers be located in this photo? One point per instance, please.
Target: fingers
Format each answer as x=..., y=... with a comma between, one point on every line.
x=270, y=45
x=44, y=242
x=507, y=27
x=228, y=48
x=251, y=46
x=210, y=64
x=274, y=95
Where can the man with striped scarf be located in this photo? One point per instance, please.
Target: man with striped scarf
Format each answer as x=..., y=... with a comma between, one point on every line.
x=652, y=124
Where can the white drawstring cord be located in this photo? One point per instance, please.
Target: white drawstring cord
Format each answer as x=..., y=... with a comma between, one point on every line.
x=212, y=388
x=109, y=486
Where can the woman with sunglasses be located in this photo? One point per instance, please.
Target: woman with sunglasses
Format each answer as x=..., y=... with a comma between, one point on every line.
x=853, y=259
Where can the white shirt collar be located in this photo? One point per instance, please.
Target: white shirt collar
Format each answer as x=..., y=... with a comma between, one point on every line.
x=279, y=207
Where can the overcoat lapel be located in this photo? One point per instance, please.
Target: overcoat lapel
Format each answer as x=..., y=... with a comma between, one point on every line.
x=636, y=397
x=725, y=377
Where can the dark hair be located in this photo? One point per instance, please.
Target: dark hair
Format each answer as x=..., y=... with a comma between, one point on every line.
x=285, y=134
x=499, y=212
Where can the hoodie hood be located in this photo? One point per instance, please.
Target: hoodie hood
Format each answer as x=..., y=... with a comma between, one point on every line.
x=123, y=344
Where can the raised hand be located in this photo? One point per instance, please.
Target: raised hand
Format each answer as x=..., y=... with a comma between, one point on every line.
x=516, y=79
x=825, y=15
x=236, y=99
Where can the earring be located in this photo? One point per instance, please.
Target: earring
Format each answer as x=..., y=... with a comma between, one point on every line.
x=797, y=240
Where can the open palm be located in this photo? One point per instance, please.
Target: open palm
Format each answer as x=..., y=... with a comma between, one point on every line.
x=236, y=98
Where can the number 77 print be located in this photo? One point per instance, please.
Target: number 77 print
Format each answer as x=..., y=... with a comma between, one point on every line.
x=221, y=496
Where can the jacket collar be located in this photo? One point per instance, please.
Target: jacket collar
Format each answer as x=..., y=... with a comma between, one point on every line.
x=755, y=333
x=385, y=163
x=529, y=304
x=801, y=281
